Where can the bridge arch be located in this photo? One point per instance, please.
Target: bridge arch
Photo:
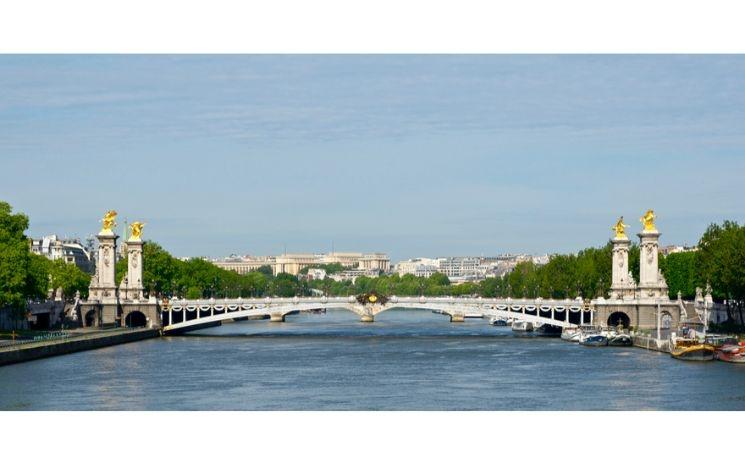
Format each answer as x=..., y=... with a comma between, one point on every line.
x=90, y=318
x=619, y=318
x=666, y=320
x=135, y=319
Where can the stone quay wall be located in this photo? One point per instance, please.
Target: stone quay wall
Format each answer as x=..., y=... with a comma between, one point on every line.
x=36, y=350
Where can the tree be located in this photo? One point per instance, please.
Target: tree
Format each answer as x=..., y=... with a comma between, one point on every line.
x=285, y=285
x=438, y=279
x=721, y=261
x=14, y=260
x=38, y=277
x=680, y=273
x=266, y=270
x=68, y=277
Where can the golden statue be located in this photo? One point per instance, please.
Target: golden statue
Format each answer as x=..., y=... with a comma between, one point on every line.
x=109, y=222
x=648, y=221
x=620, y=229
x=136, y=229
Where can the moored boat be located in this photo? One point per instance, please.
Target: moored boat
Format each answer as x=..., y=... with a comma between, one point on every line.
x=692, y=350
x=731, y=353
x=571, y=334
x=594, y=340
x=718, y=341
x=498, y=321
x=620, y=340
x=547, y=330
x=522, y=326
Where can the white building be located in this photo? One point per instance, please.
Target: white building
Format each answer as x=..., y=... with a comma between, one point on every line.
x=316, y=274
x=460, y=267
x=244, y=265
x=69, y=250
x=293, y=263
x=419, y=267
x=352, y=275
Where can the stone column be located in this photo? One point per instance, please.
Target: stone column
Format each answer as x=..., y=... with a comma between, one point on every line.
x=135, y=287
x=106, y=268
x=651, y=282
x=621, y=286
x=648, y=250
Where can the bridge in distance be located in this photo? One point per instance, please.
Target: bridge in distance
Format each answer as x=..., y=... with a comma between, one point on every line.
x=184, y=315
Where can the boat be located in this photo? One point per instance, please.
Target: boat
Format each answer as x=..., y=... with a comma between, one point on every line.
x=594, y=340
x=547, y=330
x=692, y=350
x=522, y=326
x=497, y=321
x=620, y=340
x=571, y=334
x=731, y=352
x=718, y=340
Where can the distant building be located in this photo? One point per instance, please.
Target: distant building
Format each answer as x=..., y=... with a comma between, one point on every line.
x=671, y=249
x=460, y=267
x=466, y=269
x=295, y=262
x=69, y=250
x=419, y=267
x=352, y=275
x=314, y=274
x=244, y=265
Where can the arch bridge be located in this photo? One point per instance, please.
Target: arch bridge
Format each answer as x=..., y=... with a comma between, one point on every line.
x=188, y=315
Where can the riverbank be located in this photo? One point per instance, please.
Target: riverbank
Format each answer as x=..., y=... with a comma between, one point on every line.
x=75, y=343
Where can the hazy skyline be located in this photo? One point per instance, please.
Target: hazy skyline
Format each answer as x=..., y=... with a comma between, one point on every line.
x=410, y=155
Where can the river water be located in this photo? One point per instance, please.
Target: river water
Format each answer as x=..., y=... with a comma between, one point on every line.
x=406, y=360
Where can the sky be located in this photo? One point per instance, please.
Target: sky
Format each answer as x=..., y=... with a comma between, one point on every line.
x=411, y=155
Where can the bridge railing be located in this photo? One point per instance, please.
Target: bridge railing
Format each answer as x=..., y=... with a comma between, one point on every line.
x=392, y=300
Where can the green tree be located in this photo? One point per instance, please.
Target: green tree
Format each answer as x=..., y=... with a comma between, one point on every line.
x=266, y=270
x=38, y=277
x=721, y=261
x=438, y=279
x=69, y=278
x=15, y=260
x=285, y=285
x=680, y=273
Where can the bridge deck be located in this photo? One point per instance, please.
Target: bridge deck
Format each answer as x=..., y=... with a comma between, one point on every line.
x=540, y=311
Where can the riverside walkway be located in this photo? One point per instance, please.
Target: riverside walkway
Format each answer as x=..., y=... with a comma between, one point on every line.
x=75, y=342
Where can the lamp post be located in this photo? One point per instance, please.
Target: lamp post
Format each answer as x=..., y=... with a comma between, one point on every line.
x=659, y=319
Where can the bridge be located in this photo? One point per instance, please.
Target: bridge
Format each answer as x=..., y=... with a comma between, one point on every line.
x=188, y=315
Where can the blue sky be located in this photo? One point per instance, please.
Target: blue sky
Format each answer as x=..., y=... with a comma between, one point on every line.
x=410, y=155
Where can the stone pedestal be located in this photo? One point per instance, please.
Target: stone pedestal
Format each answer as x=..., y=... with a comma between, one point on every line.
x=652, y=284
x=103, y=293
x=622, y=283
x=134, y=286
x=145, y=313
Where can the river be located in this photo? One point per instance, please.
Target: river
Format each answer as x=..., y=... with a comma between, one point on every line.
x=406, y=360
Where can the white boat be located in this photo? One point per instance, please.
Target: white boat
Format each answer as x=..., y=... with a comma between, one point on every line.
x=522, y=326
x=588, y=331
x=497, y=321
x=571, y=334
